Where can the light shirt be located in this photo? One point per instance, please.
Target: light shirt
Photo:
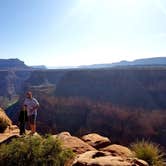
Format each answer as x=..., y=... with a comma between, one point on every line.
x=31, y=104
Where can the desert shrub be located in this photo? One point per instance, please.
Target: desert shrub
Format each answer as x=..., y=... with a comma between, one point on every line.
x=150, y=152
x=34, y=151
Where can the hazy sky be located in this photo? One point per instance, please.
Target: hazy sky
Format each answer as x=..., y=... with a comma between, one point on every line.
x=76, y=32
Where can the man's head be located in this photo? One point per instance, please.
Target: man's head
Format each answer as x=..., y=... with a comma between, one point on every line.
x=29, y=94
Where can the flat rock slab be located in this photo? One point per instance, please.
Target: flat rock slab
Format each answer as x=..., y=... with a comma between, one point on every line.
x=96, y=140
x=9, y=134
x=118, y=150
x=99, y=158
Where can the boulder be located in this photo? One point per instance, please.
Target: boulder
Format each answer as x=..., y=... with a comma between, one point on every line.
x=96, y=140
x=7, y=139
x=5, y=118
x=140, y=162
x=77, y=145
x=63, y=135
x=13, y=127
x=9, y=134
x=100, y=158
x=118, y=150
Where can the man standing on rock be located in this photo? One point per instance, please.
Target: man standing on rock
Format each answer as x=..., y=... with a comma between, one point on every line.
x=32, y=107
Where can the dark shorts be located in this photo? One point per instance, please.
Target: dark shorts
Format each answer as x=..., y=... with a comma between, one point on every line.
x=32, y=119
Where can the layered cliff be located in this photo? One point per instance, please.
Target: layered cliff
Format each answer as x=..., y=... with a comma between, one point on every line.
x=145, y=88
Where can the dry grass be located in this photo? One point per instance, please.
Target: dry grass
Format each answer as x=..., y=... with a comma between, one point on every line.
x=150, y=152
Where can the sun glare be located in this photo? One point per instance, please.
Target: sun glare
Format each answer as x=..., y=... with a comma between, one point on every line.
x=161, y=5
x=121, y=2
x=109, y=2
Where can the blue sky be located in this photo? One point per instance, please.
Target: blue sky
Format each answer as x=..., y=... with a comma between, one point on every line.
x=78, y=32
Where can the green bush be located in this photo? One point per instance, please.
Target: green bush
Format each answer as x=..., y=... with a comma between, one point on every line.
x=149, y=152
x=34, y=151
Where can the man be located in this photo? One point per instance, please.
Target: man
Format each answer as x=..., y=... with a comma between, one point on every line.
x=23, y=118
x=32, y=107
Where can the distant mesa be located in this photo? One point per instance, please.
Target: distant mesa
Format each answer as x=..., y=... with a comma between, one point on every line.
x=15, y=63
x=42, y=67
x=6, y=64
x=147, y=62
